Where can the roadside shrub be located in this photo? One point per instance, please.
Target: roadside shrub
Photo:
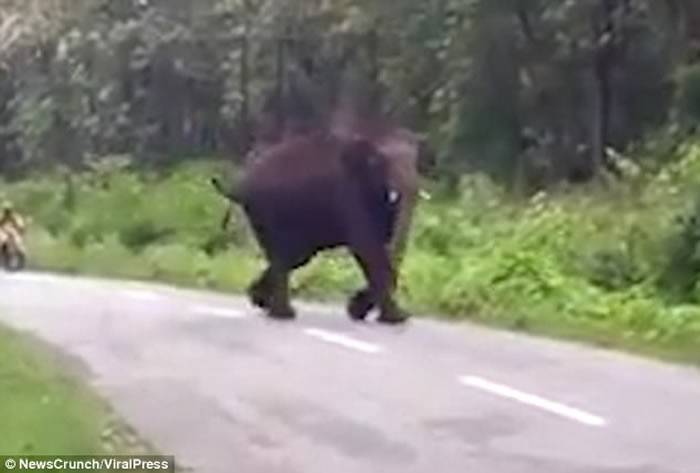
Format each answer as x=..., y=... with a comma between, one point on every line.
x=110, y=256
x=614, y=269
x=682, y=271
x=178, y=263
x=142, y=233
x=234, y=269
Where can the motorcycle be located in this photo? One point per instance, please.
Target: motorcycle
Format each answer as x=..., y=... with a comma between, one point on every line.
x=12, y=256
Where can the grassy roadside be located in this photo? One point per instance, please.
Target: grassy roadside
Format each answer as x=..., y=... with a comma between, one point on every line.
x=46, y=410
x=614, y=266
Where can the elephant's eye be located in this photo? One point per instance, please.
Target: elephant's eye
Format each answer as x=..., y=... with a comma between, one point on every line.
x=393, y=196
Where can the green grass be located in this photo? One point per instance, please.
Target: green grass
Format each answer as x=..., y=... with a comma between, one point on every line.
x=609, y=265
x=46, y=410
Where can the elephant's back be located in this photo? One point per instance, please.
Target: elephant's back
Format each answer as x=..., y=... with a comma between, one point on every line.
x=295, y=161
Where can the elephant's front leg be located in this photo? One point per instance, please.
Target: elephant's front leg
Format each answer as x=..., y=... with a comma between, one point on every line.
x=361, y=303
x=402, y=226
x=376, y=265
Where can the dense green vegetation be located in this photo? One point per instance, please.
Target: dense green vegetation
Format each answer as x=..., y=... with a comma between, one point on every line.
x=45, y=408
x=613, y=265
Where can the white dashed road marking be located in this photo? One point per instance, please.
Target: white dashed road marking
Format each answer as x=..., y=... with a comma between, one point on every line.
x=343, y=340
x=27, y=277
x=143, y=295
x=219, y=312
x=36, y=278
x=533, y=401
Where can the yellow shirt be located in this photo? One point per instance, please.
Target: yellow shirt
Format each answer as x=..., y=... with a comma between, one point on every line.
x=13, y=221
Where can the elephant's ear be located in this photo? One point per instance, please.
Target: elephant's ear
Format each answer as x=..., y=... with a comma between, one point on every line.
x=369, y=169
x=361, y=157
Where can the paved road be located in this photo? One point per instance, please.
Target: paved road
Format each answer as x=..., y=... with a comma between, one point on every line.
x=207, y=379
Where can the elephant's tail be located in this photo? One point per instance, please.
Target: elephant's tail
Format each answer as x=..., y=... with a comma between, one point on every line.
x=234, y=197
x=233, y=194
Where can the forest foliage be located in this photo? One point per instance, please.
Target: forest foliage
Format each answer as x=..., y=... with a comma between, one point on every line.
x=531, y=91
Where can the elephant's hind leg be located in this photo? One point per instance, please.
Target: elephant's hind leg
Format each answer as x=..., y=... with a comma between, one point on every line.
x=259, y=292
x=360, y=304
x=271, y=293
x=279, y=304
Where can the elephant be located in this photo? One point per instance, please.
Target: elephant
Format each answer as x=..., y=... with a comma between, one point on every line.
x=406, y=157
x=315, y=192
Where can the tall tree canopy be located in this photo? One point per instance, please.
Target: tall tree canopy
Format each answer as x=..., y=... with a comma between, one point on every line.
x=531, y=91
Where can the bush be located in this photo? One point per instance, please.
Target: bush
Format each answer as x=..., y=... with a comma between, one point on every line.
x=110, y=256
x=142, y=233
x=614, y=270
x=234, y=269
x=682, y=271
x=330, y=276
x=178, y=263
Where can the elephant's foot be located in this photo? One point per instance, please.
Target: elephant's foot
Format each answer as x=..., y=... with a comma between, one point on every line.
x=393, y=315
x=280, y=308
x=282, y=313
x=258, y=297
x=360, y=304
x=259, y=292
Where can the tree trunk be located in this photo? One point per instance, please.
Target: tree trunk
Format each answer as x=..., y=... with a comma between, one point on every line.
x=603, y=57
x=246, y=136
x=601, y=112
x=373, y=55
x=279, y=83
x=692, y=17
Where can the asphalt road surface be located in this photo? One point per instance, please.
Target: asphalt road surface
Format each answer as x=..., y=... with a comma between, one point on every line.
x=204, y=377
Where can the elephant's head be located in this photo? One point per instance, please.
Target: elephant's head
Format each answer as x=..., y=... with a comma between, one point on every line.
x=369, y=172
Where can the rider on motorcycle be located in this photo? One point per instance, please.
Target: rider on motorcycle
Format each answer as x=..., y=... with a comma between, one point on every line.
x=11, y=226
